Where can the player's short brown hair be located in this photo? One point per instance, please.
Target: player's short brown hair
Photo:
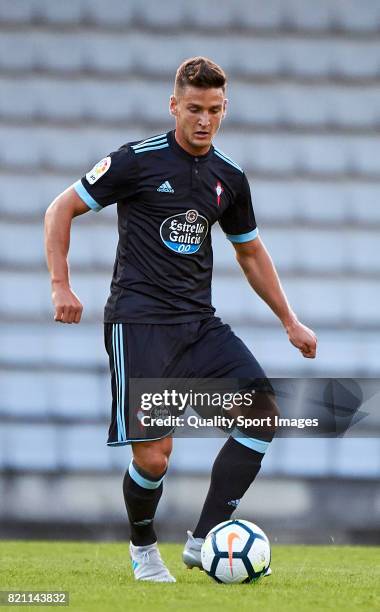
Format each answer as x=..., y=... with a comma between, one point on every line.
x=200, y=72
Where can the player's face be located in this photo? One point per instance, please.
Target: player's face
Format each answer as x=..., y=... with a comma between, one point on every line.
x=198, y=113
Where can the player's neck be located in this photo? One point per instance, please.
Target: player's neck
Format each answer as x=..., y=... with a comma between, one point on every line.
x=186, y=146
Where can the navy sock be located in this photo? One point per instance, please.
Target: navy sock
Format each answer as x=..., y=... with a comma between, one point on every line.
x=142, y=493
x=235, y=468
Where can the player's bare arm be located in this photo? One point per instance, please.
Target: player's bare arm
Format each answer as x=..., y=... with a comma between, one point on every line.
x=261, y=274
x=58, y=219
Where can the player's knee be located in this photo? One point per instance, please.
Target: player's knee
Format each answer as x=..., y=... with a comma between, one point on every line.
x=155, y=464
x=260, y=418
x=153, y=457
x=271, y=406
x=268, y=411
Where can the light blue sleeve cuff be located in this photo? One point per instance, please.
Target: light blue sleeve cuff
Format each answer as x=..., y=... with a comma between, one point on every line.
x=85, y=196
x=243, y=237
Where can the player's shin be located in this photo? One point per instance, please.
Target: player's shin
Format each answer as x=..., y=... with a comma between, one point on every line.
x=234, y=470
x=142, y=493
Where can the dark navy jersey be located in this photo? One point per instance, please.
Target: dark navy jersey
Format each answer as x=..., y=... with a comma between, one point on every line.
x=167, y=201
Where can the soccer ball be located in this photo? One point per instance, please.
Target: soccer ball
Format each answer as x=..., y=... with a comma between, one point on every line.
x=235, y=552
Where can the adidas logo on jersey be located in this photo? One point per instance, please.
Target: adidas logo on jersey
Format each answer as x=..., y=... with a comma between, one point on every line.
x=166, y=188
x=234, y=503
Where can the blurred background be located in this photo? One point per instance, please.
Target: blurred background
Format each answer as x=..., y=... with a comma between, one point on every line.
x=78, y=79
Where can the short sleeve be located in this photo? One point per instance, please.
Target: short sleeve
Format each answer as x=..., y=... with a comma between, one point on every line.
x=238, y=220
x=113, y=178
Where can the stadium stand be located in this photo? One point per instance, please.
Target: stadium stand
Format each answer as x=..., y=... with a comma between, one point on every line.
x=77, y=80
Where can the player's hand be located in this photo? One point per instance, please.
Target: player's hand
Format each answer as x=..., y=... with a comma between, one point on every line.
x=68, y=308
x=303, y=338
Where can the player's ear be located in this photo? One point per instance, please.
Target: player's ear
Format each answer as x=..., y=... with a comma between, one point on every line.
x=173, y=105
x=225, y=103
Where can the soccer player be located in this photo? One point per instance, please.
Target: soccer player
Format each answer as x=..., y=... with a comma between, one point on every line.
x=159, y=322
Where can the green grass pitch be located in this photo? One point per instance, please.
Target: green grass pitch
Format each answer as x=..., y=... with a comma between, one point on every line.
x=99, y=578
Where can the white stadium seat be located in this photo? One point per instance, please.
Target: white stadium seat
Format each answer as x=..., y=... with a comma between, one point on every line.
x=333, y=302
x=77, y=149
x=91, y=245
x=352, y=15
x=81, y=77
x=16, y=12
x=68, y=395
x=341, y=352
x=308, y=15
x=115, y=52
x=201, y=451
x=362, y=253
x=273, y=14
x=254, y=103
x=23, y=394
x=79, y=395
x=93, y=292
x=74, y=447
x=353, y=457
x=275, y=202
x=53, y=343
x=15, y=288
x=94, y=245
x=313, y=202
x=69, y=150
x=85, y=448
x=30, y=447
x=306, y=456
x=329, y=14
x=72, y=12
x=31, y=237
x=293, y=249
x=327, y=154
x=28, y=196
x=301, y=104
x=356, y=457
x=24, y=11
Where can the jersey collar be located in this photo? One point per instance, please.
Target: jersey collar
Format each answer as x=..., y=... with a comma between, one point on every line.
x=180, y=151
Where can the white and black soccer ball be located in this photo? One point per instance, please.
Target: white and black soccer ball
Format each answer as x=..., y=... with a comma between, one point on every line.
x=235, y=552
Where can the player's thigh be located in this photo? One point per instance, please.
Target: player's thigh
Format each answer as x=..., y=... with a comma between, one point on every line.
x=220, y=354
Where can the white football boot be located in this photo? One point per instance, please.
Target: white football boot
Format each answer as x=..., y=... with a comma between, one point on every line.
x=191, y=555
x=148, y=565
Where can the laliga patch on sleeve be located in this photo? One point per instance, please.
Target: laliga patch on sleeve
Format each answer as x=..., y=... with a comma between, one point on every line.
x=98, y=170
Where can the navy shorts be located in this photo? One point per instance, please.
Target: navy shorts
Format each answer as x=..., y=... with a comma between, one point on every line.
x=204, y=349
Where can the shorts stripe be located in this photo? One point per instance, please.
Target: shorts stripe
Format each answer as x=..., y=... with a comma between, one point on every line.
x=119, y=388
x=122, y=367
x=116, y=368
